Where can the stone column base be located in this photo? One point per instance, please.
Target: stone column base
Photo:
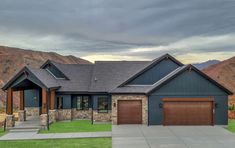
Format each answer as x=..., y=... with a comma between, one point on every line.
x=10, y=121
x=21, y=115
x=52, y=115
x=43, y=120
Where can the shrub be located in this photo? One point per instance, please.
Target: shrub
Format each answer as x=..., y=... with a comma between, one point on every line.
x=231, y=107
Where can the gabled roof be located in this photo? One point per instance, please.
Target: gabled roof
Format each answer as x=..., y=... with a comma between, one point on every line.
x=150, y=65
x=180, y=70
x=148, y=89
x=40, y=74
x=144, y=88
x=55, y=64
x=105, y=76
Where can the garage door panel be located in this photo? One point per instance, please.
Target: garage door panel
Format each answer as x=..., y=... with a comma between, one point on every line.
x=129, y=112
x=188, y=113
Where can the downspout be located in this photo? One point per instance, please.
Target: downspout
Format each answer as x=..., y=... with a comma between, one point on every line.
x=92, y=121
x=148, y=108
x=48, y=128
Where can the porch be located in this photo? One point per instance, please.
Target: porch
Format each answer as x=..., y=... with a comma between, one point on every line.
x=24, y=81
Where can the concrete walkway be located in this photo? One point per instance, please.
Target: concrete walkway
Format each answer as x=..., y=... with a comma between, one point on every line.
x=141, y=136
x=34, y=135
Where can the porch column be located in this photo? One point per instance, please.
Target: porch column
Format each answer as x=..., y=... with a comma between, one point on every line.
x=10, y=122
x=52, y=111
x=21, y=112
x=44, y=112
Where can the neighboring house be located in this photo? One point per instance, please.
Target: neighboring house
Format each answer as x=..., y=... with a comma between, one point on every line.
x=158, y=92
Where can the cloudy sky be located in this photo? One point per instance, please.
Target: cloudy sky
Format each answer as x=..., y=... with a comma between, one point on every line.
x=191, y=30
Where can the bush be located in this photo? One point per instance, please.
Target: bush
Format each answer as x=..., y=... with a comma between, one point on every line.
x=231, y=107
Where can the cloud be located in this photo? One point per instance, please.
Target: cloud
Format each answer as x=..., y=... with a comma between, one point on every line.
x=137, y=30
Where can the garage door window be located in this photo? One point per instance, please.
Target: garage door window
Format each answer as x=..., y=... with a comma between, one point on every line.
x=103, y=104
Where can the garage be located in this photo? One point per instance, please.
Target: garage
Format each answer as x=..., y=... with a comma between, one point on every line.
x=129, y=112
x=188, y=111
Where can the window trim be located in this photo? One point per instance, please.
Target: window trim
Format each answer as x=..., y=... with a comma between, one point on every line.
x=103, y=110
x=82, y=106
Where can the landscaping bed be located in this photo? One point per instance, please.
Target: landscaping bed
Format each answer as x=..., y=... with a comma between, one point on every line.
x=60, y=143
x=77, y=126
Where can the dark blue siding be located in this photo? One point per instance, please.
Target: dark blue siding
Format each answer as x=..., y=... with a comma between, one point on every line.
x=32, y=98
x=155, y=73
x=66, y=101
x=188, y=85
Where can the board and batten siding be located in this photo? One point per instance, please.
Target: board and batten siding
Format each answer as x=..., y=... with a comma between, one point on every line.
x=155, y=73
x=32, y=98
x=189, y=84
x=67, y=104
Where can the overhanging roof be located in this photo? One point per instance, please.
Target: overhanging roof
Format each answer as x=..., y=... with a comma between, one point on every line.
x=40, y=76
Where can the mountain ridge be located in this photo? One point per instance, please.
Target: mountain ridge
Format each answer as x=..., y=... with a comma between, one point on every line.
x=13, y=59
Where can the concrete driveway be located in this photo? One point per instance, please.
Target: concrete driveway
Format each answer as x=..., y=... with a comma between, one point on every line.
x=141, y=136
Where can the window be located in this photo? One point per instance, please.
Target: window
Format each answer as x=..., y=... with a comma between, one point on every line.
x=82, y=102
x=59, y=102
x=103, y=104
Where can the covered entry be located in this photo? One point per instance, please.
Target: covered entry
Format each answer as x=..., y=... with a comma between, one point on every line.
x=28, y=79
x=129, y=112
x=188, y=111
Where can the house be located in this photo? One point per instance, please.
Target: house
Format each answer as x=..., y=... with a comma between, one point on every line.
x=159, y=92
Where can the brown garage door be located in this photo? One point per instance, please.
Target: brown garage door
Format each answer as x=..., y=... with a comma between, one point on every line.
x=129, y=112
x=188, y=111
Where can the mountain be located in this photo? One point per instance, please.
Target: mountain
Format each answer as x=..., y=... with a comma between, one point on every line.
x=206, y=64
x=224, y=73
x=13, y=59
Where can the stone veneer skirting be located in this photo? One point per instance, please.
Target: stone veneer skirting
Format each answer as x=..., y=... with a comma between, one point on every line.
x=81, y=114
x=144, y=99
x=70, y=114
x=64, y=114
x=32, y=111
x=102, y=117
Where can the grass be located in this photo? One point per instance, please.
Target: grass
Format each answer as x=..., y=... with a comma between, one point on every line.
x=77, y=126
x=2, y=132
x=231, y=126
x=60, y=143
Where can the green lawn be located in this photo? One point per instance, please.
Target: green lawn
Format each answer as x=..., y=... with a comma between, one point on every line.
x=59, y=143
x=231, y=126
x=2, y=132
x=77, y=126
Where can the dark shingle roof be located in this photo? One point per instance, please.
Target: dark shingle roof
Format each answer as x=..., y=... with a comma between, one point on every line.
x=79, y=77
x=107, y=75
x=47, y=79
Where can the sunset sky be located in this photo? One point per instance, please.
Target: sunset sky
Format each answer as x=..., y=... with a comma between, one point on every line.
x=191, y=30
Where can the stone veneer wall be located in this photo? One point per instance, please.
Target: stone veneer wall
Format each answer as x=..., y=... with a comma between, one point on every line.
x=103, y=117
x=32, y=111
x=64, y=114
x=81, y=114
x=70, y=114
x=144, y=99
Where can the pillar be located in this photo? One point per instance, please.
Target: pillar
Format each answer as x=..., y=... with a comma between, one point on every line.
x=44, y=112
x=10, y=121
x=52, y=111
x=21, y=112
